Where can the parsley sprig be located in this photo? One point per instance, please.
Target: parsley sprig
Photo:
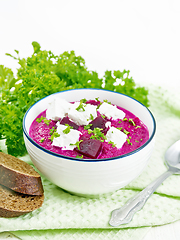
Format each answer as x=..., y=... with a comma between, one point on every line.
x=42, y=74
x=67, y=129
x=77, y=144
x=46, y=121
x=96, y=133
x=54, y=134
x=81, y=107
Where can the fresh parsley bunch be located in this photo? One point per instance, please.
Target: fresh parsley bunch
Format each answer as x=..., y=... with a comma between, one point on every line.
x=42, y=74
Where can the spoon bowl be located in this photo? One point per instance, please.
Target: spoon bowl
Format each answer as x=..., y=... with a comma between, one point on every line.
x=125, y=214
x=172, y=157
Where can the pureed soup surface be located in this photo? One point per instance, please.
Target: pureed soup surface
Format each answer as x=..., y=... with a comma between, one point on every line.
x=107, y=132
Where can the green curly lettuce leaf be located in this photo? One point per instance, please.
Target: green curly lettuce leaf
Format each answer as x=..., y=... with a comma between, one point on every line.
x=42, y=74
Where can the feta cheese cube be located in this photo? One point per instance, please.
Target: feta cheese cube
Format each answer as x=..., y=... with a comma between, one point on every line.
x=57, y=109
x=116, y=136
x=66, y=140
x=111, y=111
x=82, y=117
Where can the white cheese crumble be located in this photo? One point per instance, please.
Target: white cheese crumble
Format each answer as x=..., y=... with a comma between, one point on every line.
x=111, y=111
x=82, y=117
x=108, y=124
x=116, y=136
x=57, y=109
x=66, y=140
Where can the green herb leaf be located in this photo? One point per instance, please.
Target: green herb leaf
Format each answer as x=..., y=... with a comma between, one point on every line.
x=125, y=119
x=42, y=140
x=40, y=119
x=91, y=117
x=106, y=101
x=51, y=131
x=77, y=144
x=84, y=100
x=42, y=74
x=131, y=121
x=67, y=130
x=55, y=134
x=112, y=143
x=46, y=121
x=86, y=127
x=97, y=134
x=80, y=108
x=128, y=140
x=126, y=132
x=79, y=156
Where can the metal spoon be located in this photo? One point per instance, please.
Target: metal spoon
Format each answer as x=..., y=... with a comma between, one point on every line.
x=125, y=214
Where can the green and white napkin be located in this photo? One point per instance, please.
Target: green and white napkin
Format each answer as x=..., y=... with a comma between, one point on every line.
x=66, y=216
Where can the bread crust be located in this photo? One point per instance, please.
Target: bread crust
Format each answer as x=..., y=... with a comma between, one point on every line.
x=13, y=204
x=12, y=177
x=9, y=214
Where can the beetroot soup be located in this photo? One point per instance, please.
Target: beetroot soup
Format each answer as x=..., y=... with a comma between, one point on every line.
x=88, y=129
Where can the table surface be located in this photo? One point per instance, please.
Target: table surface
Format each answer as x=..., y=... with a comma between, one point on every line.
x=140, y=36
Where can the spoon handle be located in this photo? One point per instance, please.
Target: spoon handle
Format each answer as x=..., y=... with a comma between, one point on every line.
x=125, y=214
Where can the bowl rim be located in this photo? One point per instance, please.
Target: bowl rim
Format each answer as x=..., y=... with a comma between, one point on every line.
x=89, y=160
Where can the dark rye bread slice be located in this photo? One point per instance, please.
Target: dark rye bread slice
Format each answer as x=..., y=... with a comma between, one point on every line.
x=19, y=175
x=13, y=204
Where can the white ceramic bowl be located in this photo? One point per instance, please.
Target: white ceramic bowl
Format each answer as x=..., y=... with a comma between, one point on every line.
x=90, y=177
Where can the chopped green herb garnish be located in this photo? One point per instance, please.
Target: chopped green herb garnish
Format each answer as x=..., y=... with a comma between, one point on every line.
x=112, y=143
x=46, y=121
x=91, y=117
x=137, y=127
x=128, y=140
x=51, y=130
x=67, y=130
x=90, y=131
x=119, y=122
x=80, y=108
x=103, y=116
x=77, y=144
x=87, y=126
x=97, y=99
x=106, y=101
x=42, y=140
x=126, y=132
x=125, y=119
x=54, y=135
x=136, y=141
x=119, y=128
x=97, y=134
x=131, y=121
x=79, y=156
x=40, y=119
x=84, y=100
x=99, y=105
